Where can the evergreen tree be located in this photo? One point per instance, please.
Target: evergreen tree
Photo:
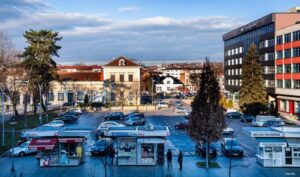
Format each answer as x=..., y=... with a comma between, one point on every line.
x=207, y=119
x=253, y=95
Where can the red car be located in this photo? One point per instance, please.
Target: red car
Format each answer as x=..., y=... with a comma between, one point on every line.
x=182, y=125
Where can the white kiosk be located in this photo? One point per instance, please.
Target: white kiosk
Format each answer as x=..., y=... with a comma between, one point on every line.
x=277, y=146
x=141, y=145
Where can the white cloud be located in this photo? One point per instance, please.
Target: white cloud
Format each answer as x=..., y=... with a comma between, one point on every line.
x=129, y=9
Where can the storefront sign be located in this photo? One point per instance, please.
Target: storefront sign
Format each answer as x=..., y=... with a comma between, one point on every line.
x=70, y=140
x=266, y=134
x=272, y=144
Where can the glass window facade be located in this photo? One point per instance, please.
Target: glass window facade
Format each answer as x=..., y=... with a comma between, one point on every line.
x=287, y=38
x=296, y=52
x=287, y=68
x=279, y=39
x=296, y=35
x=287, y=53
x=287, y=84
x=279, y=69
x=279, y=84
x=296, y=67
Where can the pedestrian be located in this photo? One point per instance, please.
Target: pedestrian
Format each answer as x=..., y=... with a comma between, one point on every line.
x=169, y=158
x=180, y=159
x=112, y=155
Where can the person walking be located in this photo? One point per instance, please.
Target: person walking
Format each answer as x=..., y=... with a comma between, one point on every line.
x=112, y=155
x=180, y=159
x=169, y=158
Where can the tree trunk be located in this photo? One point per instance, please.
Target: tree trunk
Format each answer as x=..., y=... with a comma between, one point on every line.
x=206, y=153
x=15, y=111
x=25, y=111
x=34, y=107
x=46, y=105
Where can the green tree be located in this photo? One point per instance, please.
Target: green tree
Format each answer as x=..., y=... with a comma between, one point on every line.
x=38, y=61
x=207, y=119
x=253, y=95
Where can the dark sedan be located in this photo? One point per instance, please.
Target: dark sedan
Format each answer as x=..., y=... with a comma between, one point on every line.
x=182, y=125
x=247, y=118
x=234, y=115
x=201, y=149
x=230, y=147
x=114, y=116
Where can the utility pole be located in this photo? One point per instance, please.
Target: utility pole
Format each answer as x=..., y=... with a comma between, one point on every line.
x=40, y=107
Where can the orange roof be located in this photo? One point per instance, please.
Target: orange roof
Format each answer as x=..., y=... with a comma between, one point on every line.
x=128, y=62
x=80, y=76
x=79, y=67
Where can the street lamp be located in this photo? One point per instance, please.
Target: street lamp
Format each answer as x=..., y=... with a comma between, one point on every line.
x=13, y=124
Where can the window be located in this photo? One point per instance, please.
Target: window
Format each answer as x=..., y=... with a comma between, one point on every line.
x=296, y=35
x=279, y=69
x=80, y=95
x=122, y=62
x=271, y=56
x=236, y=50
x=279, y=54
x=240, y=71
x=241, y=60
x=121, y=77
x=271, y=70
x=296, y=68
x=130, y=77
x=287, y=68
x=60, y=96
x=271, y=83
x=287, y=84
x=270, y=42
x=241, y=49
x=50, y=96
x=236, y=61
x=296, y=52
x=236, y=82
x=261, y=44
x=279, y=39
x=148, y=151
x=297, y=84
x=168, y=82
x=112, y=96
x=287, y=38
x=262, y=57
x=236, y=71
x=122, y=95
x=287, y=53
x=279, y=84
x=228, y=62
x=283, y=105
x=112, y=77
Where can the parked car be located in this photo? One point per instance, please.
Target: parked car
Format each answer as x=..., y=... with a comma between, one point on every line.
x=179, y=110
x=114, y=116
x=187, y=113
x=135, y=121
x=106, y=124
x=55, y=123
x=261, y=119
x=135, y=115
x=182, y=125
x=201, y=149
x=228, y=131
x=178, y=103
x=162, y=105
x=101, y=146
x=231, y=147
x=68, y=118
x=68, y=113
x=22, y=150
x=247, y=118
x=77, y=111
x=233, y=115
x=273, y=123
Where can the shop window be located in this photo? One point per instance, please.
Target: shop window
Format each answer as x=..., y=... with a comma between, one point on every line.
x=296, y=152
x=60, y=96
x=269, y=152
x=80, y=95
x=261, y=151
x=277, y=149
x=147, y=151
x=297, y=107
x=283, y=105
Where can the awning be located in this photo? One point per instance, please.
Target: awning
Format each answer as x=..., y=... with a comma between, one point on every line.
x=70, y=140
x=293, y=142
x=42, y=144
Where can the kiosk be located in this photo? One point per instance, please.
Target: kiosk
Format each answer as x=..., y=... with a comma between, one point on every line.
x=141, y=145
x=277, y=146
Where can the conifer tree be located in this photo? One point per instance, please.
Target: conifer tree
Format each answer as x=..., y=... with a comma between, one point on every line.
x=253, y=95
x=207, y=119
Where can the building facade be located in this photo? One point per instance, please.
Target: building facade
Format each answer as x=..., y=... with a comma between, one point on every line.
x=261, y=32
x=288, y=69
x=167, y=85
x=122, y=81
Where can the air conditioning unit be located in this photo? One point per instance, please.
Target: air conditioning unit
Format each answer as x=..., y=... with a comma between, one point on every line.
x=149, y=127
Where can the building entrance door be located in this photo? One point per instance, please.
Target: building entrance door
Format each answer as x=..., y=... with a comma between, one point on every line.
x=288, y=156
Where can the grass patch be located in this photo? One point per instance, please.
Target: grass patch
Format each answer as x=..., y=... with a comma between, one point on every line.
x=33, y=121
x=211, y=165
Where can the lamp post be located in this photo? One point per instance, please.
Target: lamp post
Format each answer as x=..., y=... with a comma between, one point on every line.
x=13, y=124
x=2, y=95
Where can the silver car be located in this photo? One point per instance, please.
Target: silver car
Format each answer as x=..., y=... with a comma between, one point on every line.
x=135, y=121
x=22, y=149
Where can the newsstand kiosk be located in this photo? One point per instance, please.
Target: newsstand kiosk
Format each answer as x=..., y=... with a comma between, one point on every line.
x=141, y=145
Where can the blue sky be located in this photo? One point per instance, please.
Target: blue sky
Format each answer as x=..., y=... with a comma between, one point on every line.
x=152, y=31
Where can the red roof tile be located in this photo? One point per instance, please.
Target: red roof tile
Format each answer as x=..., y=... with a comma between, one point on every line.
x=80, y=76
x=128, y=62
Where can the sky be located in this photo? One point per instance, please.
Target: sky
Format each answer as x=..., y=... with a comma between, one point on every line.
x=149, y=31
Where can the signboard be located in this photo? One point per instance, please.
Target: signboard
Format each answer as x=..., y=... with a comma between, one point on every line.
x=273, y=144
x=266, y=134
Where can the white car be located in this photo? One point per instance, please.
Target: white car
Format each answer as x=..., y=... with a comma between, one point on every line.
x=179, y=110
x=77, y=111
x=106, y=124
x=22, y=149
x=55, y=123
x=228, y=131
x=187, y=113
x=162, y=105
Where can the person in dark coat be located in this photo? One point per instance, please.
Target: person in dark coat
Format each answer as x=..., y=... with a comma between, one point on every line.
x=169, y=158
x=112, y=155
x=180, y=159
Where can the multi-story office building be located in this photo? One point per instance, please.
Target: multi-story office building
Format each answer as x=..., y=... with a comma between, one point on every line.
x=288, y=69
x=261, y=32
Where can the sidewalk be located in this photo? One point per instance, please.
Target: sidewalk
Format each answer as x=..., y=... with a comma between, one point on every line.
x=241, y=167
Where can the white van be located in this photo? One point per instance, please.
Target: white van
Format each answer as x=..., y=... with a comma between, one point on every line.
x=261, y=119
